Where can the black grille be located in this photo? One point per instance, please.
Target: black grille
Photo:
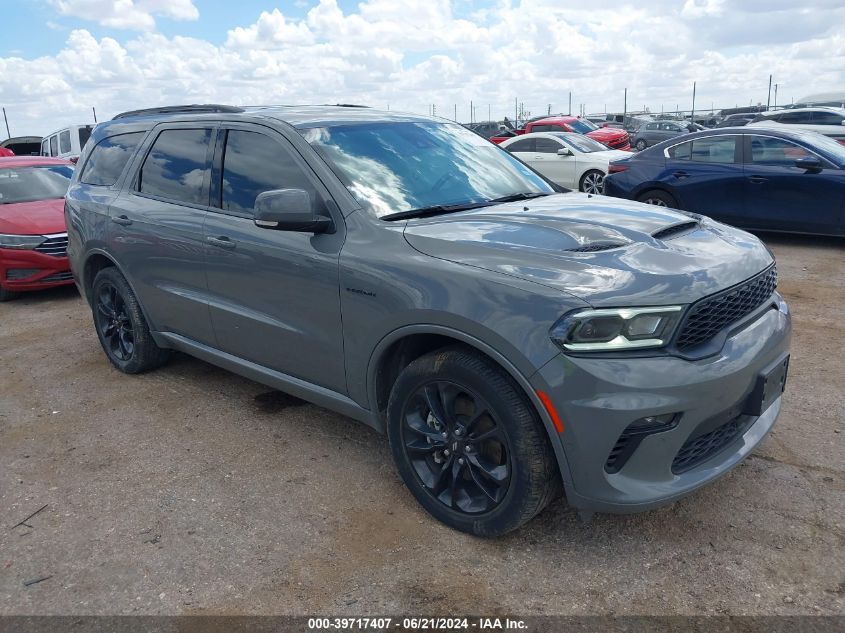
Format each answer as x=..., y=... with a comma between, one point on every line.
x=595, y=246
x=621, y=451
x=55, y=245
x=711, y=315
x=674, y=230
x=65, y=276
x=702, y=447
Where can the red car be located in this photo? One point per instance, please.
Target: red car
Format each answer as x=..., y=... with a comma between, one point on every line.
x=33, y=237
x=614, y=138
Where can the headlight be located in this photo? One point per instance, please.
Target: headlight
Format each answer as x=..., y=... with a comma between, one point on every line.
x=26, y=242
x=614, y=329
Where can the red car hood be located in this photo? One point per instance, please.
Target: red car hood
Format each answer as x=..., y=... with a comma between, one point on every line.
x=33, y=218
x=607, y=134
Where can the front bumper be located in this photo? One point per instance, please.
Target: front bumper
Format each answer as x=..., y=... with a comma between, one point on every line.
x=598, y=398
x=24, y=270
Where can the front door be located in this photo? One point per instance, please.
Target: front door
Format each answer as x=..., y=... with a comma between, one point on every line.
x=274, y=295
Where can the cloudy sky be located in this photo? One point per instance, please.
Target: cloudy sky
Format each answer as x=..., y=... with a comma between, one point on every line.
x=58, y=58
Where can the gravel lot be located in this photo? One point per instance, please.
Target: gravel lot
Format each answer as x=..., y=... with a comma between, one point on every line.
x=193, y=491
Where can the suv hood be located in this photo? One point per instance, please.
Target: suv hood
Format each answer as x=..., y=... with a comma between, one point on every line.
x=603, y=250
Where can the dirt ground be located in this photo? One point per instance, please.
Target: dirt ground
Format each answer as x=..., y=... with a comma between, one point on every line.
x=190, y=490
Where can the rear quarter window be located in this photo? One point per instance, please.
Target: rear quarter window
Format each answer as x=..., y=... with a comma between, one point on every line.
x=108, y=159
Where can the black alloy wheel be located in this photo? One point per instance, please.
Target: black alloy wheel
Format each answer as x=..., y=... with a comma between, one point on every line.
x=113, y=322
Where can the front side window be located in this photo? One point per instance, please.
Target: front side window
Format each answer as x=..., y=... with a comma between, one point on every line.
x=64, y=142
x=177, y=166
x=547, y=146
x=27, y=184
x=795, y=118
x=84, y=135
x=766, y=150
x=390, y=167
x=680, y=152
x=821, y=117
x=108, y=158
x=254, y=163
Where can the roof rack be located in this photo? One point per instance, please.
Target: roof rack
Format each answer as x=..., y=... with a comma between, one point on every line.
x=206, y=108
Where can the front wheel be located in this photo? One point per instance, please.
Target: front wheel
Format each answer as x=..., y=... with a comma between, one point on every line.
x=468, y=445
x=641, y=145
x=592, y=182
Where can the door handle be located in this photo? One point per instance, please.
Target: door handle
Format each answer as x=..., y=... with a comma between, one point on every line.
x=757, y=179
x=221, y=242
x=122, y=220
x=681, y=174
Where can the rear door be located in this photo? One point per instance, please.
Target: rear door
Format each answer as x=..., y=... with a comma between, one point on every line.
x=274, y=294
x=557, y=168
x=157, y=228
x=779, y=195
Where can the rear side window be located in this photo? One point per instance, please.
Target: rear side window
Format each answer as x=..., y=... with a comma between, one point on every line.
x=108, y=158
x=64, y=142
x=710, y=149
x=177, y=166
x=522, y=145
x=54, y=146
x=254, y=163
x=795, y=118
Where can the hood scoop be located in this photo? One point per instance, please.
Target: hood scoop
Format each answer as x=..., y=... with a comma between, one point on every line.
x=595, y=247
x=675, y=230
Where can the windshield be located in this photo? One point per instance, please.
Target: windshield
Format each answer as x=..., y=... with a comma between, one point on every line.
x=581, y=143
x=581, y=126
x=394, y=167
x=27, y=184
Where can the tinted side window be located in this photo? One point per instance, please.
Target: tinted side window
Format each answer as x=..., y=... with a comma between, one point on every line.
x=766, y=150
x=795, y=118
x=827, y=118
x=545, y=128
x=652, y=126
x=681, y=152
x=253, y=163
x=64, y=141
x=523, y=145
x=84, y=135
x=714, y=149
x=54, y=146
x=108, y=158
x=547, y=146
x=177, y=166
x=45, y=147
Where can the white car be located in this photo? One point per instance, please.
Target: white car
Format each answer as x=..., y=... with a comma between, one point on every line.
x=571, y=160
x=827, y=121
x=67, y=142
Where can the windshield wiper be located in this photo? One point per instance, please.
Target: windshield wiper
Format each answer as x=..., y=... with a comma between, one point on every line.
x=437, y=209
x=519, y=196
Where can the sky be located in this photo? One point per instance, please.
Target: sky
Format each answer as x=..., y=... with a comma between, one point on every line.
x=61, y=58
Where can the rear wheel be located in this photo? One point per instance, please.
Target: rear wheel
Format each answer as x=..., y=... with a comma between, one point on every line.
x=8, y=295
x=592, y=182
x=121, y=326
x=468, y=445
x=658, y=198
x=641, y=145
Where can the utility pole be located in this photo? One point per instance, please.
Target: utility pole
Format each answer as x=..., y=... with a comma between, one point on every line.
x=515, y=112
x=692, y=113
x=625, y=108
x=8, y=133
x=570, y=103
x=471, y=111
x=94, y=110
x=769, y=98
x=549, y=110
x=489, y=116
x=456, y=113
x=776, y=96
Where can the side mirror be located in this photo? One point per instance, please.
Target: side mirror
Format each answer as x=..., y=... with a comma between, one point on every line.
x=564, y=152
x=289, y=210
x=810, y=163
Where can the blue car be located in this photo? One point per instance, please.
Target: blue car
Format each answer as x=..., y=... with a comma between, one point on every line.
x=755, y=178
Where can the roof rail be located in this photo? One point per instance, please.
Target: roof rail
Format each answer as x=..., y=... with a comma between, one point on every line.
x=350, y=105
x=209, y=108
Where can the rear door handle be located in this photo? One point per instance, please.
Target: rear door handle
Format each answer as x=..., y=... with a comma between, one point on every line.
x=122, y=220
x=757, y=179
x=221, y=242
x=681, y=174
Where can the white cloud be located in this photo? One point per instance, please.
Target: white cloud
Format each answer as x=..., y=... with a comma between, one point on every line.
x=417, y=54
x=127, y=14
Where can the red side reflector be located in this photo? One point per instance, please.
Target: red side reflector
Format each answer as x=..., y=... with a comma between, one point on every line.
x=551, y=409
x=616, y=168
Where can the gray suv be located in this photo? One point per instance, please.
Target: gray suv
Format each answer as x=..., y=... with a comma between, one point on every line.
x=513, y=340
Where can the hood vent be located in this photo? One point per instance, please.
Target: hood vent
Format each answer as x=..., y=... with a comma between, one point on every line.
x=595, y=247
x=675, y=230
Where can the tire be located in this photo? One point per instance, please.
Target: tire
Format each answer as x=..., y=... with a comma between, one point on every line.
x=121, y=326
x=658, y=198
x=515, y=464
x=592, y=182
x=641, y=145
x=8, y=295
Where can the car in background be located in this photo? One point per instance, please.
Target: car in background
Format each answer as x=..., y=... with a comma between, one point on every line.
x=6, y=152
x=568, y=159
x=656, y=132
x=33, y=237
x=66, y=143
x=22, y=145
x=486, y=129
x=736, y=120
x=827, y=121
x=614, y=138
x=755, y=178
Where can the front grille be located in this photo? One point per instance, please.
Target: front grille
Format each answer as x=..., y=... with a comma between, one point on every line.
x=702, y=447
x=675, y=230
x=55, y=245
x=619, y=142
x=709, y=316
x=595, y=246
x=64, y=276
x=15, y=274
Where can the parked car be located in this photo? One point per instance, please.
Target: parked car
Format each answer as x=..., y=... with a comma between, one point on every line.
x=401, y=270
x=628, y=122
x=736, y=120
x=658, y=131
x=612, y=137
x=827, y=121
x=5, y=152
x=22, y=145
x=757, y=178
x=571, y=160
x=486, y=129
x=66, y=143
x=33, y=238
